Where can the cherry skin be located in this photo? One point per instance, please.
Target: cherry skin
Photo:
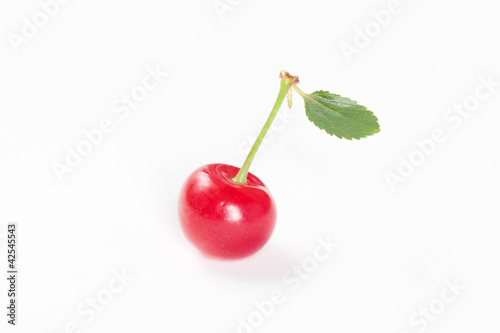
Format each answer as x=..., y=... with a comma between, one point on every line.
x=222, y=218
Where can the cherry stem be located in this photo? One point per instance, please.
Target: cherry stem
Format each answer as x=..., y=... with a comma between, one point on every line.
x=241, y=177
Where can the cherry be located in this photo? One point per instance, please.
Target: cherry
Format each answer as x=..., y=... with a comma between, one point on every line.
x=228, y=212
x=223, y=218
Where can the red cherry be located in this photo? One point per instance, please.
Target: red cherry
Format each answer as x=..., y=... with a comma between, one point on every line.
x=225, y=219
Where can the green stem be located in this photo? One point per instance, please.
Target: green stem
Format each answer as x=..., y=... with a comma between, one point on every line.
x=241, y=177
x=301, y=93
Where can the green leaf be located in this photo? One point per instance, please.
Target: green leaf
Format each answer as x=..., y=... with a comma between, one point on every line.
x=340, y=116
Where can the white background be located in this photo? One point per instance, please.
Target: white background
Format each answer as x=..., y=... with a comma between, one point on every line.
x=117, y=210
